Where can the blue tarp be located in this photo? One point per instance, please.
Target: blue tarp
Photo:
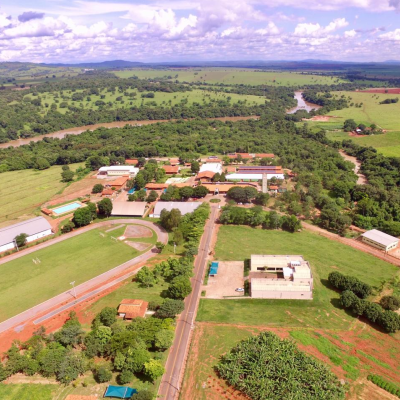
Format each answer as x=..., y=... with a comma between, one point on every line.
x=214, y=268
x=120, y=392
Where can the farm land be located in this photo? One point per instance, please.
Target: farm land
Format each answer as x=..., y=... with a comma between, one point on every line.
x=132, y=98
x=23, y=192
x=321, y=327
x=77, y=259
x=231, y=76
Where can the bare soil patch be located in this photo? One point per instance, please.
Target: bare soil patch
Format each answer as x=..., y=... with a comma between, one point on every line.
x=366, y=390
x=320, y=118
x=382, y=90
x=137, y=245
x=136, y=231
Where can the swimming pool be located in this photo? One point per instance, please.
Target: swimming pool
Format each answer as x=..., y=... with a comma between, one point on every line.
x=66, y=208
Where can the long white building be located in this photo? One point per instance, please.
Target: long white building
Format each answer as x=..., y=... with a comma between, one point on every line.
x=211, y=166
x=380, y=240
x=252, y=177
x=117, y=170
x=35, y=228
x=185, y=207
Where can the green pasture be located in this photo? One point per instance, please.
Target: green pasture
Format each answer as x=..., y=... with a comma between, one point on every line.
x=27, y=392
x=23, y=192
x=324, y=255
x=132, y=98
x=231, y=76
x=23, y=284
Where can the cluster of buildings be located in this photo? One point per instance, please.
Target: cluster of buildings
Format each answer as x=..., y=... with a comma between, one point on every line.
x=280, y=277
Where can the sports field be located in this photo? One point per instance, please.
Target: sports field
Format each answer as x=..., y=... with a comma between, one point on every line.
x=23, y=283
x=132, y=98
x=23, y=192
x=324, y=255
x=231, y=76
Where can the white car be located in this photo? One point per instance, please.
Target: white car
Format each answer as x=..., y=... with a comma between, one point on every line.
x=239, y=289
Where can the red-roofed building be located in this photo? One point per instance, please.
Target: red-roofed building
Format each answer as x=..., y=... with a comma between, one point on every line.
x=118, y=183
x=131, y=308
x=170, y=169
x=205, y=176
x=156, y=186
x=265, y=155
x=132, y=161
x=107, y=192
x=273, y=188
x=174, y=161
x=229, y=168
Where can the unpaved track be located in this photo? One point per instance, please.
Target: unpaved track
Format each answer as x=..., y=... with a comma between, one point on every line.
x=174, y=368
x=87, y=286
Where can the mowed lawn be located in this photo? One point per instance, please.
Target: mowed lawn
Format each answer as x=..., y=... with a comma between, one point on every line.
x=23, y=192
x=27, y=392
x=231, y=76
x=324, y=255
x=24, y=284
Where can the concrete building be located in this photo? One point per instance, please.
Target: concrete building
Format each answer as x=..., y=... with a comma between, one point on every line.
x=380, y=240
x=35, y=228
x=280, y=277
x=211, y=166
x=183, y=207
x=128, y=208
x=117, y=170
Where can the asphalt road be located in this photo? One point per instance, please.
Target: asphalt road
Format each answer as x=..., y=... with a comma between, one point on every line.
x=169, y=387
x=67, y=297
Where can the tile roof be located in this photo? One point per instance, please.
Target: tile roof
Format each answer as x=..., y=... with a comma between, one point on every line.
x=170, y=169
x=205, y=174
x=156, y=186
x=133, y=308
x=119, y=181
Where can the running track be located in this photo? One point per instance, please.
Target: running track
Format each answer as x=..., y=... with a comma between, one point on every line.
x=94, y=283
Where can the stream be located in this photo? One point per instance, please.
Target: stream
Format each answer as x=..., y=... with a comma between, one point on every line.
x=302, y=104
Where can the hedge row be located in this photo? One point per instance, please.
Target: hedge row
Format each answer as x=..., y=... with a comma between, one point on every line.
x=385, y=385
x=346, y=282
x=388, y=320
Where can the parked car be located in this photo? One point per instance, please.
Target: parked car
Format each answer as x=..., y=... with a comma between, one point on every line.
x=239, y=289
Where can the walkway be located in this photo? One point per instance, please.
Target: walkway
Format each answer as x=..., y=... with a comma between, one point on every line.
x=82, y=289
x=174, y=368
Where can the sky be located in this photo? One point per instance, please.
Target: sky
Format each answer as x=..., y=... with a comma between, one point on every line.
x=72, y=31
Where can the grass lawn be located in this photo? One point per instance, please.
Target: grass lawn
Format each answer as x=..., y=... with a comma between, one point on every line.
x=24, y=284
x=324, y=255
x=23, y=192
x=27, y=392
x=231, y=76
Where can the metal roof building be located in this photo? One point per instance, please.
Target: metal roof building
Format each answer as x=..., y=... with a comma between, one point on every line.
x=183, y=207
x=253, y=177
x=35, y=228
x=211, y=166
x=380, y=240
x=128, y=208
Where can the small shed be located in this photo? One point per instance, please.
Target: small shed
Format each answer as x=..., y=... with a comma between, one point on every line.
x=119, y=392
x=132, y=308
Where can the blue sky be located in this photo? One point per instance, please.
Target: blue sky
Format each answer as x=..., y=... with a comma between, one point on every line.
x=174, y=30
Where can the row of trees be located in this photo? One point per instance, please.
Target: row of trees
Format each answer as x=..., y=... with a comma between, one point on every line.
x=346, y=282
x=256, y=216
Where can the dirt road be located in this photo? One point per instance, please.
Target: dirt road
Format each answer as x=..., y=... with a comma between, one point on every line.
x=82, y=289
x=362, y=180
x=170, y=384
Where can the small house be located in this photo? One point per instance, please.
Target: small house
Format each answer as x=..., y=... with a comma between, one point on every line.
x=131, y=308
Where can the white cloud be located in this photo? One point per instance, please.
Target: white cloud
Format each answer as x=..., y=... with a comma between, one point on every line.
x=394, y=35
x=315, y=30
x=271, y=29
x=350, y=34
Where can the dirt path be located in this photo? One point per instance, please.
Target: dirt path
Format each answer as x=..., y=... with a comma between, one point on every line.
x=362, y=180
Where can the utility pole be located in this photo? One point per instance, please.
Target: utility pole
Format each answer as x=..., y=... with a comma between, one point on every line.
x=73, y=288
x=174, y=247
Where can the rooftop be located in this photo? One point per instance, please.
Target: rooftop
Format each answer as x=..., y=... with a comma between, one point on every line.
x=205, y=174
x=129, y=168
x=380, y=237
x=184, y=207
x=170, y=169
x=279, y=285
x=129, y=208
x=210, y=166
x=30, y=227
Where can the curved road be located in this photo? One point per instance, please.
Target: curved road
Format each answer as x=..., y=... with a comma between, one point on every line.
x=48, y=305
x=174, y=368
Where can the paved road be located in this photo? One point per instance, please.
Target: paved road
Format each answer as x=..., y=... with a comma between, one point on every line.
x=85, y=287
x=169, y=387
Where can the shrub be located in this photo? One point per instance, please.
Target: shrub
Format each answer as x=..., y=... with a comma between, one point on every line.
x=97, y=188
x=384, y=384
x=170, y=308
x=125, y=377
x=103, y=374
x=391, y=303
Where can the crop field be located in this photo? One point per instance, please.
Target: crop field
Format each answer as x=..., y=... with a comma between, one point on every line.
x=131, y=98
x=231, y=76
x=320, y=327
x=23, y=192
x=76, y=259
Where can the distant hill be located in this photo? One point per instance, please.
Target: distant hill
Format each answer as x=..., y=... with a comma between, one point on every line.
x=101, y=65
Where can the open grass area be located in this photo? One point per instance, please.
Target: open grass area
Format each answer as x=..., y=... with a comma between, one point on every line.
x=231, y=76
x=324, y=255
x=27, y=392
x=24, y=284
x=23, y=192
x=132, y=98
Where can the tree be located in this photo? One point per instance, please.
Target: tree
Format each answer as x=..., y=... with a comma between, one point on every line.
x=390, y=321
x=136, y=359
x=108, y=316
x=154, y=369
x=291, y=223
x=20, y=239
x=186, y=192
x=67, y=176
x=82, y=216
x=261, y=199
x=143, y=395
x=373, y=311
x=200, y=191
x=105, y=207
x=347, y=298
x=170, y=219
x=97, y=188
x=160, y=246
x=145, y=277
x=349, y=125
x=67, y=227
x=70, y=334
x=164, y=339
x=103, y=374
x=170, y=308
x=390, y=303
x=180, y=287
x=42, y=163
x=95, y=162
x=125, y=377
x=153, y=196
x=71, y=367
x=195, y=167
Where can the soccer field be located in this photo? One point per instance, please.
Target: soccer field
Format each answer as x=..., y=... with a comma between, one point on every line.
x=24, y=284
